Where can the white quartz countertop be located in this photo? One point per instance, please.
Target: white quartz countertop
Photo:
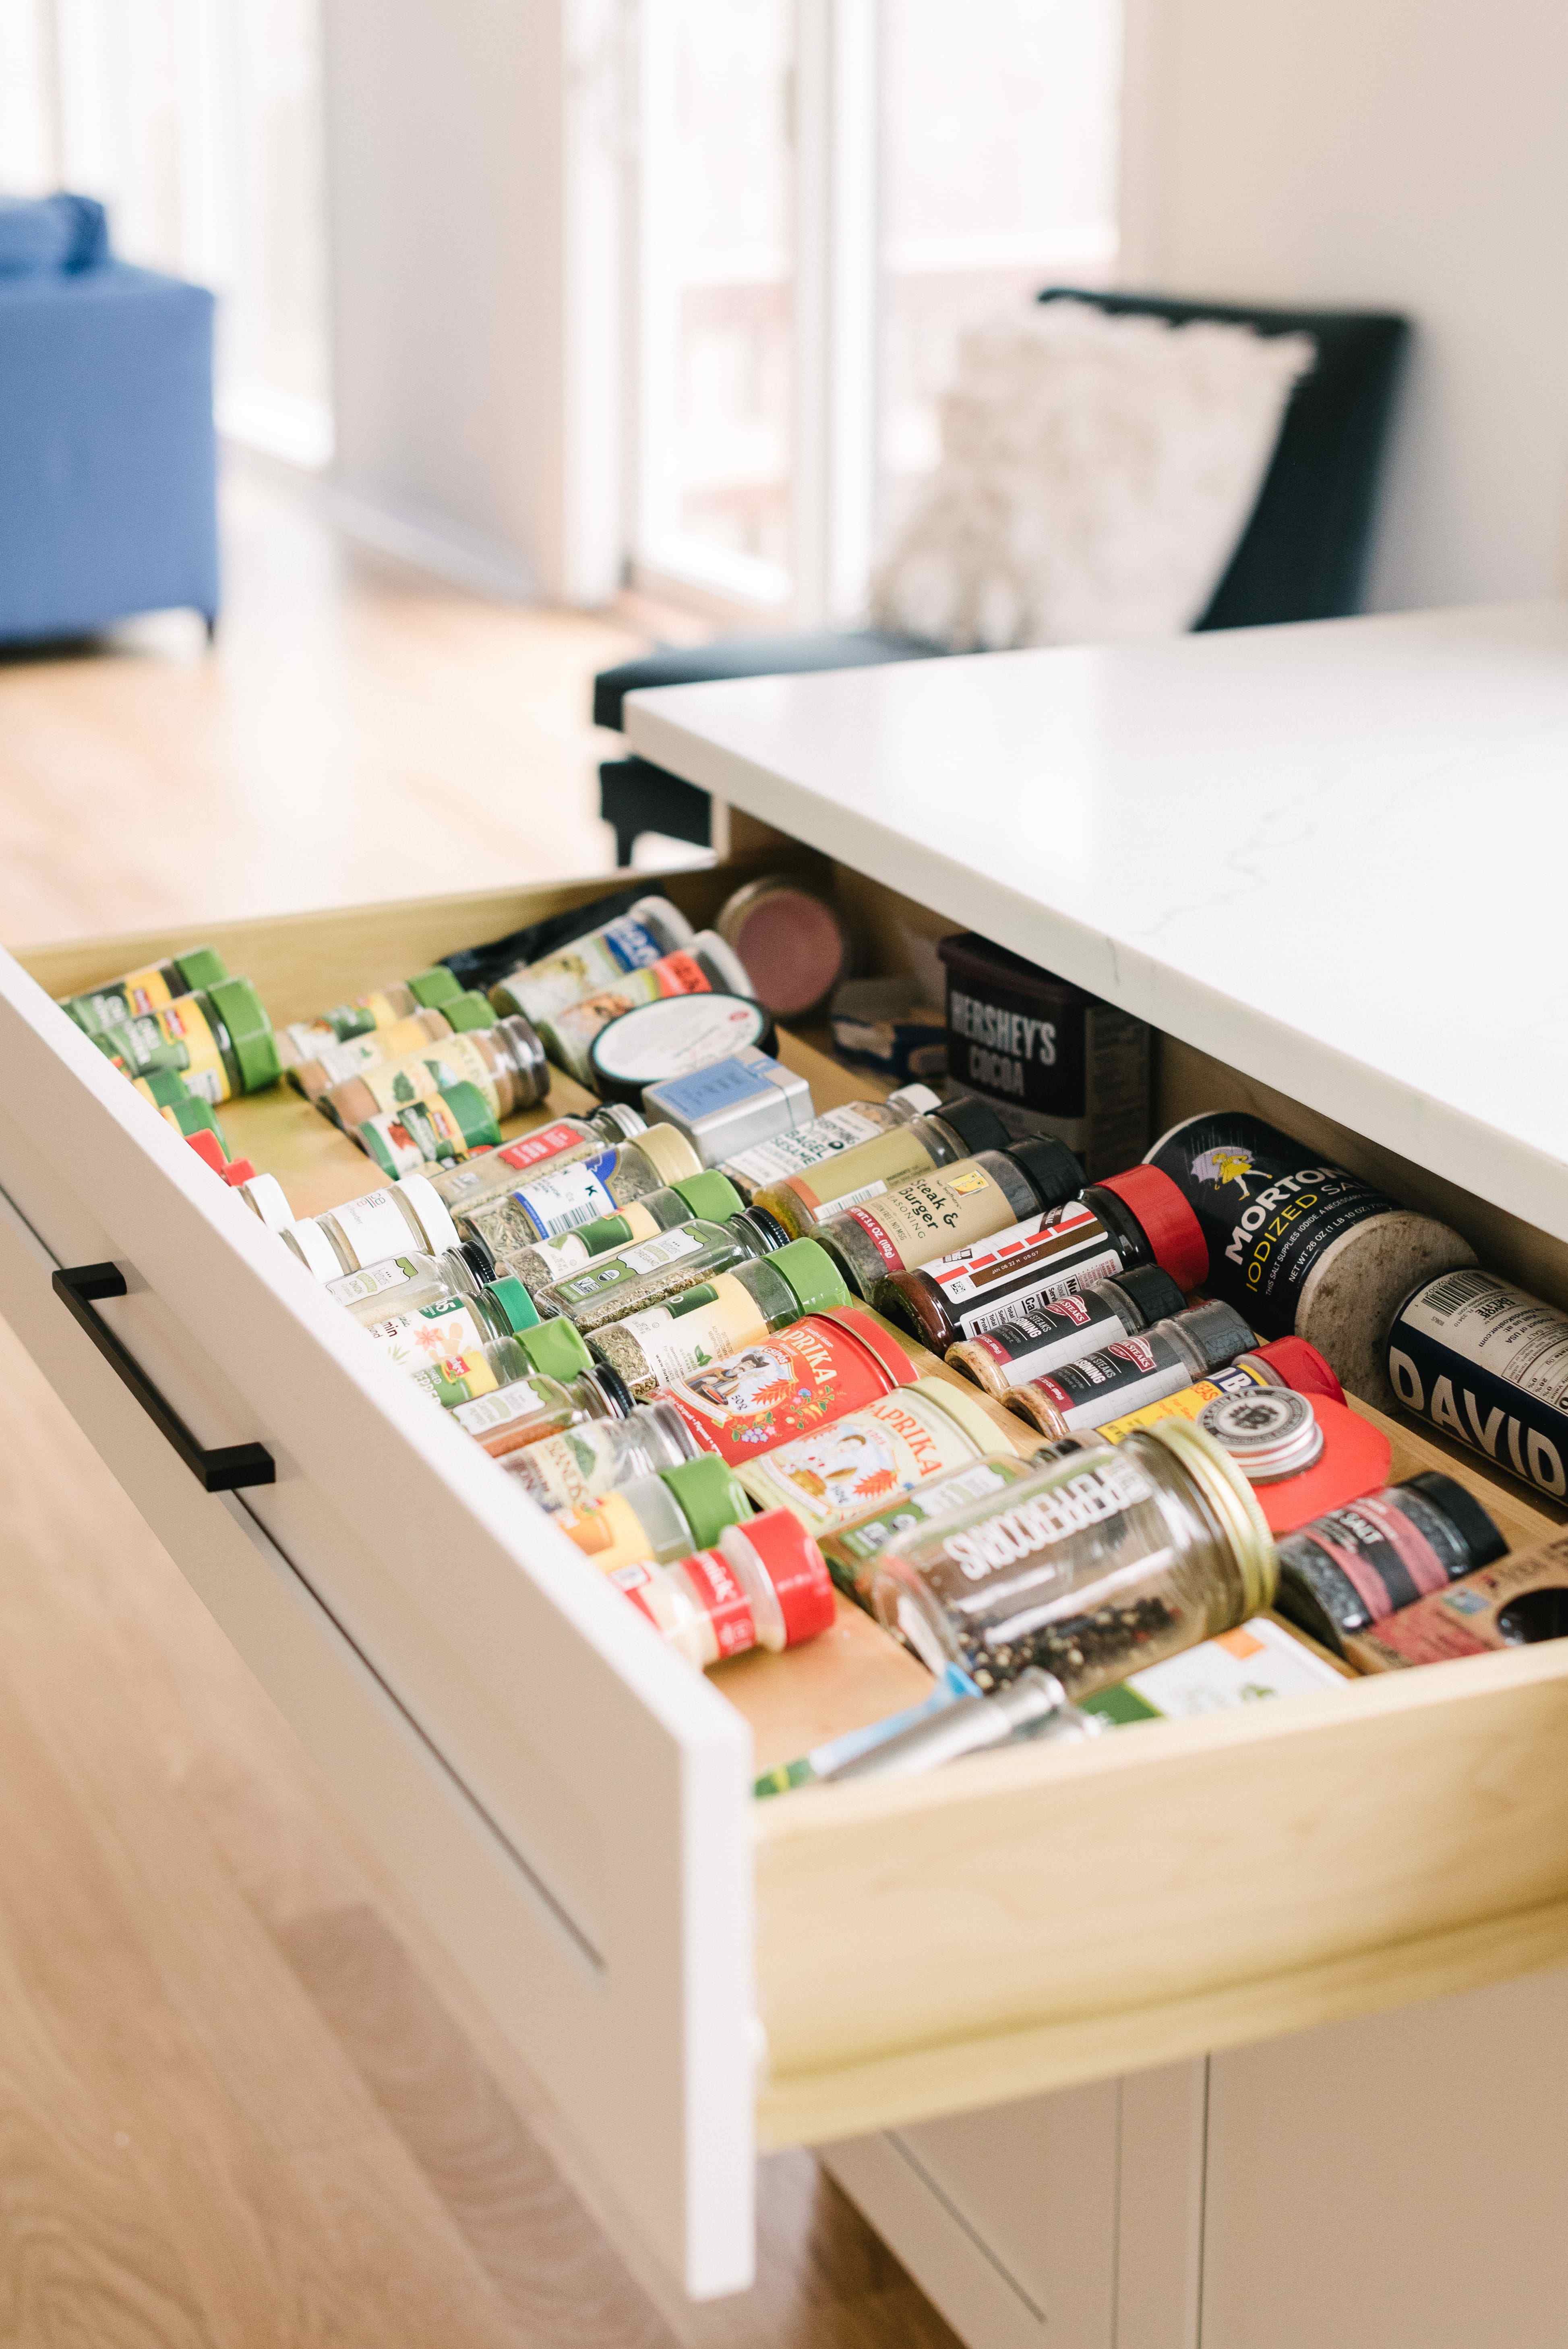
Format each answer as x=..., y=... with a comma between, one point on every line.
x=1334, y=855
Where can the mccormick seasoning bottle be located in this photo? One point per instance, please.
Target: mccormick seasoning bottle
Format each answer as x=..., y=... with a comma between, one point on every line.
x=660, y=1518
x=420, y=1335
x=827, y=1136
x=403, y=1284
x=705, y=967
x=220, y=1039
x=336, y=1063
x=453, y=1123
x=404, y=1216
x=1282, y=1362
x=571, y=1191
x=565, y=1138
x=927, y=1216
x=786, y=1384
x=427, y=990
x=505, y=1062
x=956, y=1130
x=1040, y=1337
x=1349, y=1568
x=139, y=992
x=1132, y=1219
x=497, y=1396
x=1084, y=1394
x=764, y=1585
x=576, y=1465
x=540, y=989
x=696, y=1198
x=704, y=1324
x=898, y=1444
x=1107, y=1560
x=623, y=1282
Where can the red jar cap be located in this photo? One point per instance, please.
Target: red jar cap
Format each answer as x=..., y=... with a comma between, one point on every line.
x=1173, y=1231
x=880, y=1343
x=238, y=1171
x=1301, y=1366
x=207, y=1147
x=797, y=1570
x=1356, y=1460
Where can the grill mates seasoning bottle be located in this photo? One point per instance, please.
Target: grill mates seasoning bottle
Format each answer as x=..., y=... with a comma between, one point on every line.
x=1128, y=1221
x=336, y=1063
x=220, y=1040
x=451, y=1125
x=960, y=1128
x=427, y=990
x=1132, y=1371
x=898, y=1444
x=705, y=1197
x=1300, y=1245
x=493, y=1173
x=141, y=991
x=926, y=1215
x=625, y=1281
x=798, y=1379
x=1104, y=1561
x=579, y=1463
x=827, y=1136
x=504, y=1062
x=1349, y=1569
x=567, y=1192
x=538, y=990
x=706, y=1324
x=1041, y=1338
x=706, y=966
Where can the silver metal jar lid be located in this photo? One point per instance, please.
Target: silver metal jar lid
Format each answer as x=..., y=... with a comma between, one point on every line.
x=1270, y=1435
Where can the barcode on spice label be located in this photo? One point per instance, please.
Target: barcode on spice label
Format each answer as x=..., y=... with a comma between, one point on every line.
x=1455, y=1290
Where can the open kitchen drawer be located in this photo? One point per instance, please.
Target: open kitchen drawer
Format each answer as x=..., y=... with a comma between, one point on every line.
x=565, y=1808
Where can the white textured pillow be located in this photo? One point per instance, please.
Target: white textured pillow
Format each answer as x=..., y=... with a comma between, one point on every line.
x=1096, y=475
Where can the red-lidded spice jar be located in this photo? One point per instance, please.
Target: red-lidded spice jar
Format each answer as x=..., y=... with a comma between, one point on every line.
x=1302, y=1454
x=765, y=1585
x=790, y=1382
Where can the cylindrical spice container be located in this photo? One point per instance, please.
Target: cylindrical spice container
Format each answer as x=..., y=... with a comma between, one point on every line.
x=570, y=1191
x=139, y=991
x=853, y=1551
x=703, y=1325
x=798, y=1379
x=763, y=1584
x=220, y=1039
x=504, y=1063
x=538, y=990
x=926, y=1215
x=450, y=1124
x=1119, y=1225
x=897, y=1445
x=1104, y=1561
x=1302, y=1455
x=491, y=1173
x=1084, y=1394
x=1282, y=1362
x=403, y=1284
x=580, y=1463
x=421, y=1335
x=401, y=1217
x=792, y=941
x=705, y=967
x=625, y=1281
x=1301, y=1246
x=705, y=1197
x=957, y=1130
x=1349, y=1568
x=653, y=1044
x=427, y=990
x=1038, y=1339
x=827, y=1136
x=497, y=1397
x=193, y=1116
x=1487, y=1364
x=336, y=1063
x=658, y=1518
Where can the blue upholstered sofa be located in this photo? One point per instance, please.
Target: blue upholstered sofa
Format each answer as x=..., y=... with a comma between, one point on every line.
x=107, y=457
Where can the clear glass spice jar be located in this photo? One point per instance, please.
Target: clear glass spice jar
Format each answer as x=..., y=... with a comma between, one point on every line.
x=336, y=1063
x=488, y=1173
x=1107, y=1560
x=218, y=1038
x=139, y=992
x=827, y=1136
x=417, y=1336
x=706, y=966
x=652, y=928
x=406, y=1283
x=659, y=1518
x=1040, y=1336
x=569, y=1192
x=1079, y=1396
x=926, y=1215
x=763, y=1584
x=382, y=1007
x=504, y=1063
x=579, y=1463
x=827, y=1188
x=398, y=1218
x=623, y=1282
x=696, y=1198
x=451, y=1125
x=706, y=1324
x=490, y=1389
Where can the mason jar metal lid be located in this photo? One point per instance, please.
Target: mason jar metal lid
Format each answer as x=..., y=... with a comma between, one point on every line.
x=1233, y=1502
x=1270, y=1433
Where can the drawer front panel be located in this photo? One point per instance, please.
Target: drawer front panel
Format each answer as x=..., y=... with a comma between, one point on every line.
x=603, y=1858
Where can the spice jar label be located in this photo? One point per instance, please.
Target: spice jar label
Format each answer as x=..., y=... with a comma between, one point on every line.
x=1385, y=1558
x=1188, y=1402
x=177, y=1036
x=825, y=1137
x=851, y=1553
x=422, y=1133
x=375, y=1278
x=874, y=1164
x=933, y=1214
x=412, y=1340
x=547, y=1142
x=1131, y=1371
x=1488, y=1365
x=456, y=1060
x=570, y=1195
x=610, y=1532
x=374, y=1226
x=699, y=1327
x=468, y=1385
x=1044, y=1258
x=778, y=1389
x=892, y=1446
x=670, y=1247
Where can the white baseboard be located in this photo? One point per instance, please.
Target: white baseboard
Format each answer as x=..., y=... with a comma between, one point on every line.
x=430, y=543
x=953, y=2269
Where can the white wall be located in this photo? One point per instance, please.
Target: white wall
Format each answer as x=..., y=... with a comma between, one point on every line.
x=474, y=310
x=1400, y=154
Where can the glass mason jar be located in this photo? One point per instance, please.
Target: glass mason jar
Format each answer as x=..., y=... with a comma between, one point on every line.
x=716, y=1318
x=139, y=992
x=220, y=1039
x=800, y=1202
x=706, y=966
x=651, y=927
x=567, y=1192
x=336, y=1063
x=504, y=1063
x=623, y=1282
x=926, y=1215
x=827, y=1136
x=401, y=1218
x=493, y=1173
x=697, y=1198
x=1105, y=1560
x=573, y=1465
x=383, y=1007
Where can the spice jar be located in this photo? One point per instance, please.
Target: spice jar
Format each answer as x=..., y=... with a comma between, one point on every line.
x=336, y=1063
x=490, y=1173
x=925, y=1215
x=1040, y=1338
x=658, y=1518
x=427, y=990
x=1119, y=1225
x=408, y=1282
x=1105, y=1560
x=764, y=1585
x=705, y=1197
x=581, y=1462
x=387, y=1223
x=930, y=1139
x=417, y=1337
x=504, y=1063
x=139, y=991
x=853, y=1551
x=162, y=1087
x=193, y=1116
x=497, y=1396
x=625, y=1281
x=1302, y=1455
x=704, y=1324
x=1353, y=1565
x=570, y=1192
x=1282, y=1362
x=791, y=939
x=800, y=1377
x=266, y=1198
x=1132, y=1371
x=860, y=1463
x=744, y=1100
x=707, y=965
x=220, y=1039
x=827, y=1136
x=676, y=1036
x=540, y=989
x=453, y=1123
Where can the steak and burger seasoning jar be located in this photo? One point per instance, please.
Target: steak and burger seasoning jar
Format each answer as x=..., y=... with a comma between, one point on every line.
x=1107, y=1559
x=957, y=1130
x=491, y=1173
x=1131, y=1371
x=695, y=1198
x=218, y=1038
x=141, y=991
x=427, y=990
x=706, y=966
x=504, y=1063
x=1040, y=1337
x=451, y=1125
x=658, y=1518
x=623, y=1282
x=336, y=1063
x=570, y=1191
x=716, y=1318
x=897, y=1445
x=763, y=1584
x=1117, y=1225
x=401, y=1217
x=827, y=1136
x=819, y=1370
x=1354, y=1566
x=538, y=990
x=926, y=1215
x=574, y=1465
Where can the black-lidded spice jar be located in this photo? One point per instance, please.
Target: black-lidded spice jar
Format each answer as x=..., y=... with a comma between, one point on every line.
x=1350, y=1568
x=1108, y=1559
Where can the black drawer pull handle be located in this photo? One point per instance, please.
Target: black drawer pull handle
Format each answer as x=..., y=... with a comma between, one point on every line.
x=221, y=1468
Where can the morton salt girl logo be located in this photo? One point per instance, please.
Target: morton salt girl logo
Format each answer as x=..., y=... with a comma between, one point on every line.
x=1225, y=1165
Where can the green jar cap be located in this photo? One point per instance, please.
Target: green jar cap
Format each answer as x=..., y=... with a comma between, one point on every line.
x=467, y=1011
x=256, y=1047
x=710, y=1195
x=200, y=967
x=472, y=1111
x=812, y=1275
x=556, y=1349
x=193, y=1115
x=516, y=1305
x=165, y=1085
x=711, y=1496
x=433, y=990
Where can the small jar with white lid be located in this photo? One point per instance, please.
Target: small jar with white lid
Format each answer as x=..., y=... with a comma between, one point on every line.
x=763, y=1584
x=399, y=1217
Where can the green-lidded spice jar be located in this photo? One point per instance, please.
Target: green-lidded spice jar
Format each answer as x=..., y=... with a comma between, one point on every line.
x=453, y=1123
x=570, y=1469
x=419, y=1336
x=664, y=1343
x=697, y=1198
x=499, y=1395
x=405, y=1283
x=571, y=1190
x=336, y=1063
x=162, y=1087
x=504, y=1063
x=1108, y=1559
x=625, y=1281
x=220, y=1040
x=656, y=1519
x=192, y=1115
x=138, y=992
x=854, y=1552
x=427, y=990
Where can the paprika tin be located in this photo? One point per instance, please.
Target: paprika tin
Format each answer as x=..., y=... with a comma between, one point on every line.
x=896, y=1445
x=788, y=1383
